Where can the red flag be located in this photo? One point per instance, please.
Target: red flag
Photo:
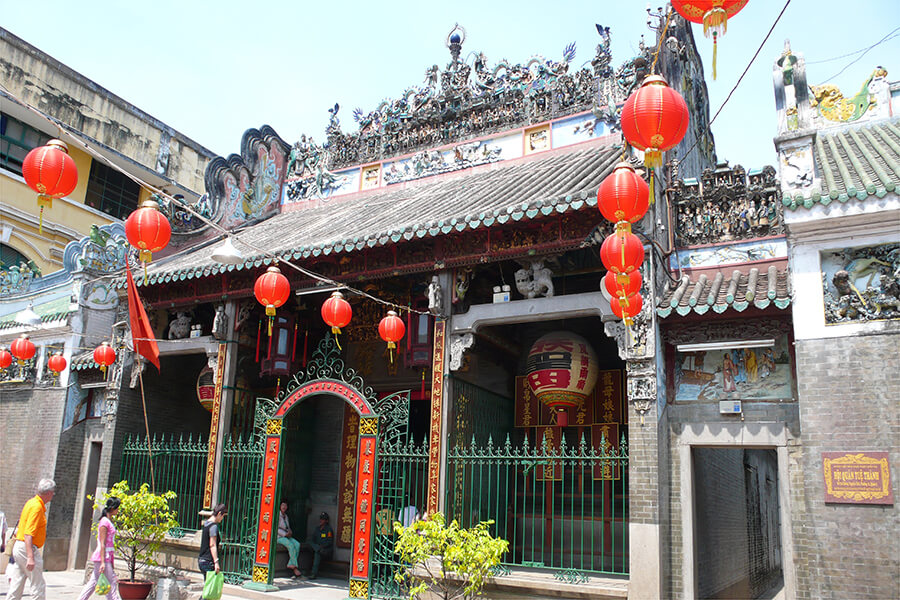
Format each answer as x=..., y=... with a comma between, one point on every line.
x=141, y=334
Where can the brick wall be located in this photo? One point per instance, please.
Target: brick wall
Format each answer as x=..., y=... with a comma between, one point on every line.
x=30, y=420
x=849, y=390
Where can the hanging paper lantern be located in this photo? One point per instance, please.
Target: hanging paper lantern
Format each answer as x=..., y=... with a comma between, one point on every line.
x=623, y=195
x=626, y=308
x=51, y=172
x=714, y=15
x=206, y=388
x=148, y=230
x=57, y=363
x=104, y=355
x=336, y=313
x=561, y=372
x=654, y=119
x=391, y=329
x=5, y=358
x=22, y=348
x=622, y=253
x=622, y=284
x=272, y=290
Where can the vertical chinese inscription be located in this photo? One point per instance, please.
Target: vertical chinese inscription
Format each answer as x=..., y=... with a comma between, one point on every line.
x=437, y=397
x=214, y=429
x=349, y=445
x=365, y=483
x=267, y=510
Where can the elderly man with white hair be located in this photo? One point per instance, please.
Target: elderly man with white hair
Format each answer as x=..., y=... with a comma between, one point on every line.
x=31, y=532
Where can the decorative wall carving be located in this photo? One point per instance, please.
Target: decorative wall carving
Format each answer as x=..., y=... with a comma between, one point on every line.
x=247, y=187
x=726, y=330
x=727, y=205
x=459, y=343
x=862, y=284
x=535, y=281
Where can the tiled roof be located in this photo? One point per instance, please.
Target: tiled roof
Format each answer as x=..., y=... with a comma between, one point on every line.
x=854, y=163
x=49, y=312
x=741, y=290
x=83, y=361
x=524, y=189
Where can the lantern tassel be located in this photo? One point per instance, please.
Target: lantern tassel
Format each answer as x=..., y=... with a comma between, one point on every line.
x=277, y=387
x=43, y=200
x=305, y=342
x=652, y=188
x=422, y=391
x=269, y=350
x=270, y=312
x=294, y=349
x=41, y=221
x=715, y=48
x=336, y=331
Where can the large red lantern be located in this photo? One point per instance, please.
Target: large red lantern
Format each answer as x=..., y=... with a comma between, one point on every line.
x=622, y=284
x=57, y=363
x=104, y=355
x=22, y=348
x=623, y=195
x=654, y=119
x=626, y=308
x=561, y=372
x=272, y=290
x=51, y=172
x=336, y=313
x=714, y=15
x=148, y=230
x=622, y=252
x=391, y=329
x=5, y=358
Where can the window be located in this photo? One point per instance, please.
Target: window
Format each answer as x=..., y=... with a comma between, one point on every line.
x=110, y=191
x=16, y=140
x=11, y=257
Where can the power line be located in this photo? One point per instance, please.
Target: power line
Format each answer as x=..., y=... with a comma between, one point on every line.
x=741, y=78
x=886, y=38
x=858, y=58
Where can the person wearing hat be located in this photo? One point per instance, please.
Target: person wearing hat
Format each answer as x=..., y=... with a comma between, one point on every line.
x=321, y=542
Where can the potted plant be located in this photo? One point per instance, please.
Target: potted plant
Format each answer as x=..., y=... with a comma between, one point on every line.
x=141, y=525
x=446, y=561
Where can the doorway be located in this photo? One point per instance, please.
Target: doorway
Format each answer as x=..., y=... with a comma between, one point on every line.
x=738, y=551
x=87, y=510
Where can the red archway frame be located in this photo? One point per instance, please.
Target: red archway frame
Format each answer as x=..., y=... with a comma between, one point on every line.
x=264, y=557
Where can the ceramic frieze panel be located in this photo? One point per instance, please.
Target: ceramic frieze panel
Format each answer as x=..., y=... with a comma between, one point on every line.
x=248, y=187
x=861, y=284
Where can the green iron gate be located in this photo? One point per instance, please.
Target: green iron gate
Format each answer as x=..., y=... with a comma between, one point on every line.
x=401, y=491
x=239, y=484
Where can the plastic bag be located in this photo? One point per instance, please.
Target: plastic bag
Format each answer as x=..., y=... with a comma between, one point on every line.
x=212, y=587
x=103, y=586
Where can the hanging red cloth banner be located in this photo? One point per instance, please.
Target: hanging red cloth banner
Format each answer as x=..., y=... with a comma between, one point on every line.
x=347, y=479
x=437, y=397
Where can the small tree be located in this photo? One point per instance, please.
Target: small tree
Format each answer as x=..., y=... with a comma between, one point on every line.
x=141, y=523
x=447, y=560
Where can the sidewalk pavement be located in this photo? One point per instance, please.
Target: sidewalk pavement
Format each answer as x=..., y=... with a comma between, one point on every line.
x=66, y=585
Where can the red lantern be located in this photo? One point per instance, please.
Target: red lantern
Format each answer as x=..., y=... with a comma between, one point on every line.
x=561, y=372
x=714, y=15
x=51, y=172
x=622, y=252
x=104, y=355
x=57, y=363
x=272, y=290
x=336, y=313
x=623, y=195
x=5, y=358
x=622, y=284
x=148, y=230
x=654, y=119
x=391, y=329
x=626, y=308
x=22, y=348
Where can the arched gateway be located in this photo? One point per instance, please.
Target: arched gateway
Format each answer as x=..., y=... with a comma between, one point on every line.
x=382, y=424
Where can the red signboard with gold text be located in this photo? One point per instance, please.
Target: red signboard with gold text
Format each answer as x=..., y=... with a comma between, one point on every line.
x=268, y=512
x=437, y=399
x=365, y=477
x=857, y=477
x=347, y=479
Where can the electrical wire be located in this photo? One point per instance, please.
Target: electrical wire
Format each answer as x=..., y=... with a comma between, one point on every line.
x=864, y=52
x=886, y=38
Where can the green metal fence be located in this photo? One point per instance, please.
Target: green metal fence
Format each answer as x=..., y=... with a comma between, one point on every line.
x=179, y=464
x=561, y=507
x=239, y=485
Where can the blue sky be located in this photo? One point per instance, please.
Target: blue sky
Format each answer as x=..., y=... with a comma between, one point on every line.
x=213, y=70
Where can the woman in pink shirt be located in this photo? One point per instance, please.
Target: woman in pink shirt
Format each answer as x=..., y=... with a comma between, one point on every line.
x=103, y=555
